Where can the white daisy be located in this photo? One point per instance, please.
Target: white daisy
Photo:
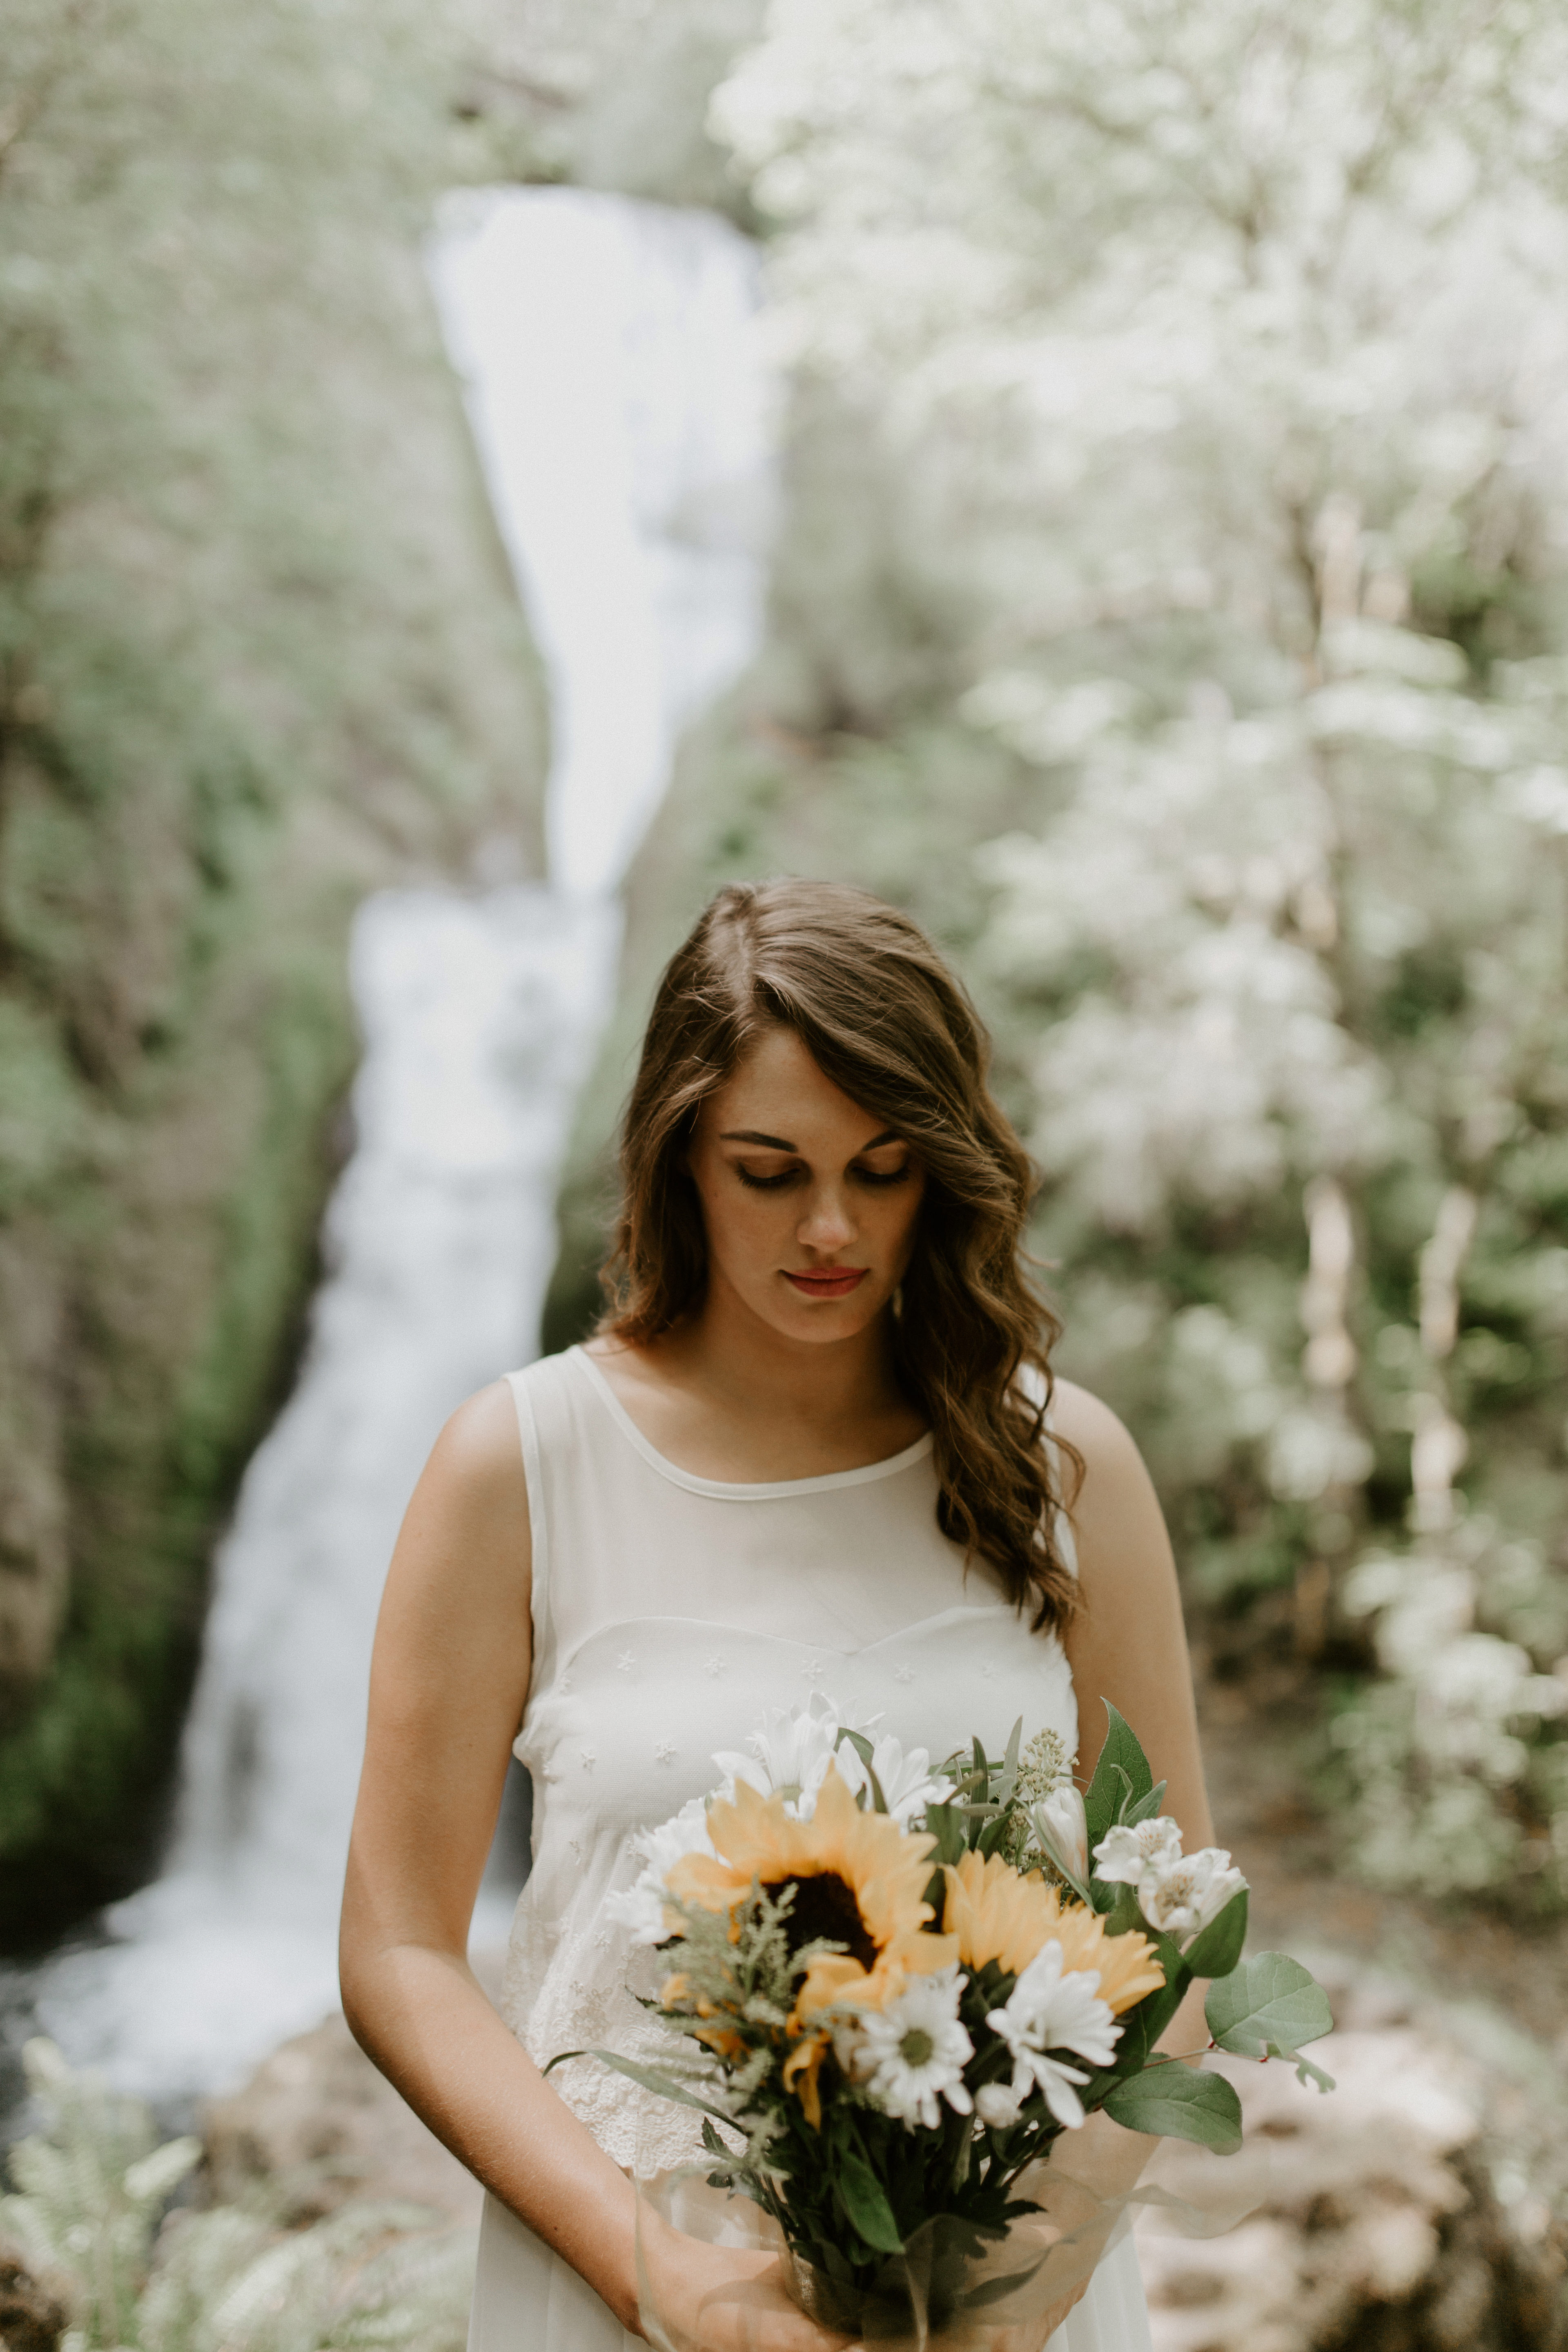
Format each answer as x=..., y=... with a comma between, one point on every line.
x=912, y=2054
x=791, y=1753
x=1048, y=2010
x=641, y=1907
x=908, y=1783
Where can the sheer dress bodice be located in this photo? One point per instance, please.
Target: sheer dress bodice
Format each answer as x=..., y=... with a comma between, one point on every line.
x=669, y=1613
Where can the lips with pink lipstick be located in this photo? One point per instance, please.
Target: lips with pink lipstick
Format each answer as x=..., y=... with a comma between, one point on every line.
x=826, y=1281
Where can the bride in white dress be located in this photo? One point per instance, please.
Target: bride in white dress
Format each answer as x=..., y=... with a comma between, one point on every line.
x=807, y=1452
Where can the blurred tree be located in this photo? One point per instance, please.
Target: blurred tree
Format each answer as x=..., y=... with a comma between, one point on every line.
x=258, y=653
x=1219, y=354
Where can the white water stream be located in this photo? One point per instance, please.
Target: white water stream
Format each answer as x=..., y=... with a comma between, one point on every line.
x=609, y=366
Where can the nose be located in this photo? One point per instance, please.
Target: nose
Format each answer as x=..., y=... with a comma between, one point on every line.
x=827, y=1224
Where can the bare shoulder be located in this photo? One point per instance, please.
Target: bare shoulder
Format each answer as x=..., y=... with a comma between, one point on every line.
x=1102, y=1440
x=480, y=1447
x=470, y=1506
x=1116, y=1514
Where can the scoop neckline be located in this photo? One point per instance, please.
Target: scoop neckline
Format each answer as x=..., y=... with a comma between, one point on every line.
x=724, y=1490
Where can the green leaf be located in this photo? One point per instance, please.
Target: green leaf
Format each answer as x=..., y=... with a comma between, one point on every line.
x=1123, y=1916
x=945, y=1823
x=1173, y=2103
x=993, y=2290
x=1120, y=1778
x=864, y=1749
x=1146, y=1807
x=863, y=2199
x=1267, y=2006
x=1215, y=1952
x=1009, y=1780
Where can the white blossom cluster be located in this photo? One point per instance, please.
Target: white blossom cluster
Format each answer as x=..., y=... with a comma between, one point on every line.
x=1219, y=353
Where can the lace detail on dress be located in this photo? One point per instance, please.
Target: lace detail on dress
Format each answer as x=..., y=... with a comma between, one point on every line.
x=577, y=1997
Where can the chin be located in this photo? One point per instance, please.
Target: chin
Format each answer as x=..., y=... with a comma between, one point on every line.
x=827, y=1318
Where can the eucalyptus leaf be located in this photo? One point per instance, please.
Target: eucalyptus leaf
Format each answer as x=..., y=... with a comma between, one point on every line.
x=1306, y=2072
x=1173, y=2102
x=1268, y=2005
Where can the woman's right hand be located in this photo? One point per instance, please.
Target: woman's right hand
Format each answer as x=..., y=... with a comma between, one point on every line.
x=701, y=2298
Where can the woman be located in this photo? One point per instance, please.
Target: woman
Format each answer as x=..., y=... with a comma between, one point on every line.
x=804, y=1452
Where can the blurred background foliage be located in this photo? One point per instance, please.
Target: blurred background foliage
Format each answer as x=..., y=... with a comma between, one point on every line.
x=1169, y=609
x=258, y=653
x=1171, y=613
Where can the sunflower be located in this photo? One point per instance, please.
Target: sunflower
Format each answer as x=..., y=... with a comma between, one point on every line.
x=801, y=2070
x=723, y=2040
x=997, y=1914
x=859, y=1881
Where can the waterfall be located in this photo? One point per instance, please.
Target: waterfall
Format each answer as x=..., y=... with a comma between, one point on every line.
x=609, y=365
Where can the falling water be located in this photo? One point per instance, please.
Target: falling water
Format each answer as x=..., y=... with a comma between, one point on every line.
x=609, y=365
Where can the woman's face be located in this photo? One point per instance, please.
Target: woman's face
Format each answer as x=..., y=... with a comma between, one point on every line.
x=810, y=1202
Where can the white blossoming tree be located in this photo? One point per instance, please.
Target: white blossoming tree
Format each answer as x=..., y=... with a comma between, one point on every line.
x=1219, y=354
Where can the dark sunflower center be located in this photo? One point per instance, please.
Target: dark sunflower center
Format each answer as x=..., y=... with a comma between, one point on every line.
x=825, y=1907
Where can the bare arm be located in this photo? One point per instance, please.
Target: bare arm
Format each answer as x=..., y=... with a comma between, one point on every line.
x=1127, y=1645
x=448, y=1683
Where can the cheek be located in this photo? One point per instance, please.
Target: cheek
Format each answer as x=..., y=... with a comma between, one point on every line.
x=904, y=1224
x=743, y=1224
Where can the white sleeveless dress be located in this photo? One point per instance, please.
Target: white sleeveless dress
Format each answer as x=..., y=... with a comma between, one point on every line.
x=669, y=1613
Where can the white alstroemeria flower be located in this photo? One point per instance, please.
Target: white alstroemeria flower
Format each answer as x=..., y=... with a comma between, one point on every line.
x=792, y=1752
x=912, y=2054
x=1061, y=1830
x=1179, y=1893
x=1124, y=1856
x=907, y=1782
x=1048, y=2010
x=1183, y=1898
x=642, y=1907
x=998, y=2104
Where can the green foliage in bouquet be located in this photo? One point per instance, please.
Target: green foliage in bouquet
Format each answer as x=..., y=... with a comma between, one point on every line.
x=896, y=2024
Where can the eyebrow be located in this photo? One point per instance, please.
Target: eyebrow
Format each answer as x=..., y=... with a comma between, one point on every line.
x=777, y=1143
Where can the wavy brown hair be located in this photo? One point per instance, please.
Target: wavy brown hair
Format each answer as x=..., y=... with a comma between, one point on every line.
x=882, y=1017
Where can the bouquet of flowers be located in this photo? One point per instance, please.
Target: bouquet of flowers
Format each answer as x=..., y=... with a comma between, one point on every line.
x=896, y=1988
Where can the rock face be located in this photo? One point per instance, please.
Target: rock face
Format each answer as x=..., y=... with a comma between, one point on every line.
x=31, y=2316
x=320, y=2125
x=1378, y=2227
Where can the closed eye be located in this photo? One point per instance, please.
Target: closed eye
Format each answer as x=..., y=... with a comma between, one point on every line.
x=766, y=1183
